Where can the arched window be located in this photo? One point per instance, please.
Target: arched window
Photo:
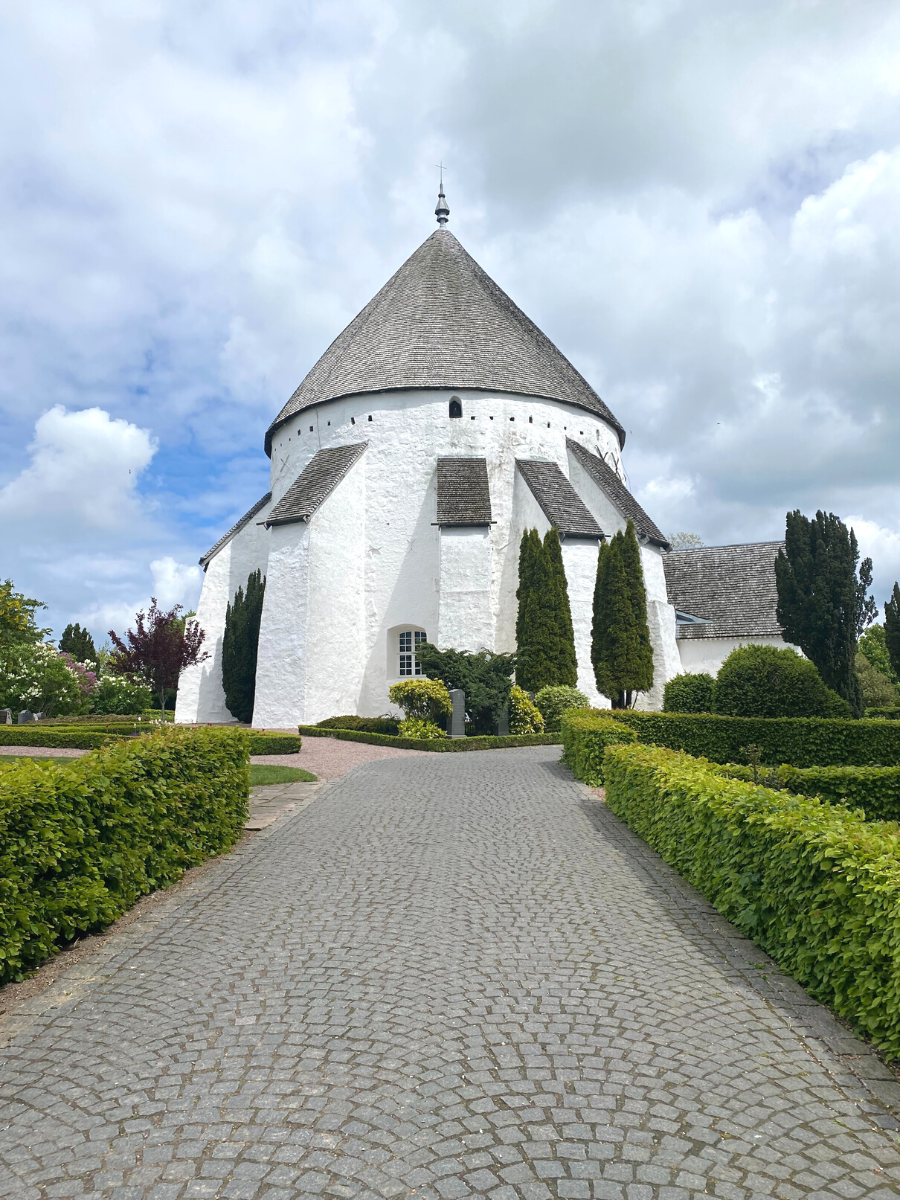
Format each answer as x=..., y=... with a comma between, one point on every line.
x=455, y=406
x=409, y=639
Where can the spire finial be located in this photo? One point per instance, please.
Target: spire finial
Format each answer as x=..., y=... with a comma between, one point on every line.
x=442, y=212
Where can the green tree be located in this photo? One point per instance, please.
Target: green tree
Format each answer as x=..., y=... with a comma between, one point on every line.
x=17, y=617
x=873, y=646
x=240, y=647
x=484, y=677
x=620, y=638
x=823, y=600
x=561, y=635
x=892, y=628
x=768, y=681
x=78, y=643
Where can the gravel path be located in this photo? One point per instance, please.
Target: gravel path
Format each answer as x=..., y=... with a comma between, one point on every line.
x=450, y=975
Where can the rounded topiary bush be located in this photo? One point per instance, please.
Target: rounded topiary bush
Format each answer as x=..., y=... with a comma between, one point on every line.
x=554, y=701
x=765, y=681
x=689, y=694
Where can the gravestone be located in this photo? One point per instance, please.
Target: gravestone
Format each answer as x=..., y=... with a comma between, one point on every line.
x=25, y=716
x=503, y=724
x=458, y=716
x=6, y=716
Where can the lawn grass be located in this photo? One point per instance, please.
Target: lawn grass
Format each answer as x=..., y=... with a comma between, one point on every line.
x=261, y=773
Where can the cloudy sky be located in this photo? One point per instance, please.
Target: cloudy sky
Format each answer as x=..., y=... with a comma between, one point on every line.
x=697, y=201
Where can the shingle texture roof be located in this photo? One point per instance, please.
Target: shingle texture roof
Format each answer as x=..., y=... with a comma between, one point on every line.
x=315, y=483
x=239, y=525
x=442, y=322
x=463, y=495
x=609, y=482
x=732, y=587
x=561, y=504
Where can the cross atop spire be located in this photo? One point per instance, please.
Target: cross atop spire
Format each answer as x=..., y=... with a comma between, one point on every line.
x=442, y=212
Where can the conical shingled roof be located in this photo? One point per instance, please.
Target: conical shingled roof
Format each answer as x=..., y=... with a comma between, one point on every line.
x=442, y=322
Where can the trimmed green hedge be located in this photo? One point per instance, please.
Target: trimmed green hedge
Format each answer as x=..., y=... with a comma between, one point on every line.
x=439, y=745
x=585, y=735
x=876, y=790
x=94, y=736
x=274, y=743
x=884, y=714
x=816, y=886
x=78, y=845
x=800, y=741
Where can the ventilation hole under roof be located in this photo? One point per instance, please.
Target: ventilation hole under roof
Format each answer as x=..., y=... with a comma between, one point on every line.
x=353, y=420
x=531, y=420
x=455, y=406
x=370, y=417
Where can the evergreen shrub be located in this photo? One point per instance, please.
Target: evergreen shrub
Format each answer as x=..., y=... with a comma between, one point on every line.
x=545, y=638
x=422, y=699
x=621, y=653
x=766, y=681
x=689, y=693
x=586, y=733
x=240, y=647
x=484, y=677
x=814, y=885
x=78, y=845
x=554, y=701
x=800, y=741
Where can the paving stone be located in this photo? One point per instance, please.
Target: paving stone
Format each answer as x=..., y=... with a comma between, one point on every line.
x=446, y=975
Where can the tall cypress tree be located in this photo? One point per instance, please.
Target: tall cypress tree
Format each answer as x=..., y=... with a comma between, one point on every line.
x=240, y=646
x=823, y=602
x=532, y=663
x=892, y=628
x=620, y=638
x=78, y=643
x=561, y=635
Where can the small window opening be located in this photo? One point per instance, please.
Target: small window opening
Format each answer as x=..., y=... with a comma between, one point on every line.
x=353, y=420
x=548, y=424
x=531, y=420
x=370, y=418
x=329, y=422
x=512, y=418
x=310, y=429
x=455, y=407
x=491, y=418
x=410, y=640
x=471, y=418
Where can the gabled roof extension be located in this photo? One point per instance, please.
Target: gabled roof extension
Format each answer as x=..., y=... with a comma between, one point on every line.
x=236, y=528
x=315, y=483
x=608, y=481
x=442, y=322
x=560, y=503
x=463, y=494
x=731, y=587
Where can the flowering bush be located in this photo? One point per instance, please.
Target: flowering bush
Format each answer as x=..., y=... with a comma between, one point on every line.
x=37, y=678
x=119, y=694
x=420, y=727
x=524, y=716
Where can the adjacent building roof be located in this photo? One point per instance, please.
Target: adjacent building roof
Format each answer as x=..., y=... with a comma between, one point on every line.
x=561, y=504
x=236, y=528
x=463, y=495
x=442, y=322
x=608, y=481
x=315, y=483
x=731, y=587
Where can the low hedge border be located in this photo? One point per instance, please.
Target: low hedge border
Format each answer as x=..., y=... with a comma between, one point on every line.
x=437, y=745
x=816, y=886
x=799, y=741
x=585, y=735
x=274, y=743
x=876, y=790
x=79, y=844
x=93, y=737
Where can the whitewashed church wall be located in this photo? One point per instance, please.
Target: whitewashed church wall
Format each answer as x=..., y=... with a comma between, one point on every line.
x=282, y=659
x=595, y=499
x=336, y=635
x=698, y=655
x=200, y=693
x=661, y=623
x=465, y=618
x=580, y=561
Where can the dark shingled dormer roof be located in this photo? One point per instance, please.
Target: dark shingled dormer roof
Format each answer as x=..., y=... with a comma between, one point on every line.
x=608, y=481
x=731, y=587
x=236, y=528
x=441, y=322
x=463, y=495
x=561, y=504
x=315, y=483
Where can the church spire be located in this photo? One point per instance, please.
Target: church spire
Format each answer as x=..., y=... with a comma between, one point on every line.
x=442, y=212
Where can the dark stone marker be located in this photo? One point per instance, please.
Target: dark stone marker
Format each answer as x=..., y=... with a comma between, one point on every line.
x=458, y=716
x=6, y=716
x=503, y=724
x=25, y=716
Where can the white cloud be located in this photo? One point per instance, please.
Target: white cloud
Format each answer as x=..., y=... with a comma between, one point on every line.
x=83, y=473
x=175, y=582
x=882, y=545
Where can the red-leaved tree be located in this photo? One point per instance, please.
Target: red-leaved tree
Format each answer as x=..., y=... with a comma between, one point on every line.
x=159, y=649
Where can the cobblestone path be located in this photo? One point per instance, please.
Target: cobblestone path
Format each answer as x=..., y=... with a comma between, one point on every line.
x=450, y=975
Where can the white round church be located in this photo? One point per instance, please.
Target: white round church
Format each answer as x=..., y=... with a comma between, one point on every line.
x=404, y=469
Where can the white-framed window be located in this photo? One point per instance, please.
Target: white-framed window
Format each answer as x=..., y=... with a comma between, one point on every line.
x=410, y=640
